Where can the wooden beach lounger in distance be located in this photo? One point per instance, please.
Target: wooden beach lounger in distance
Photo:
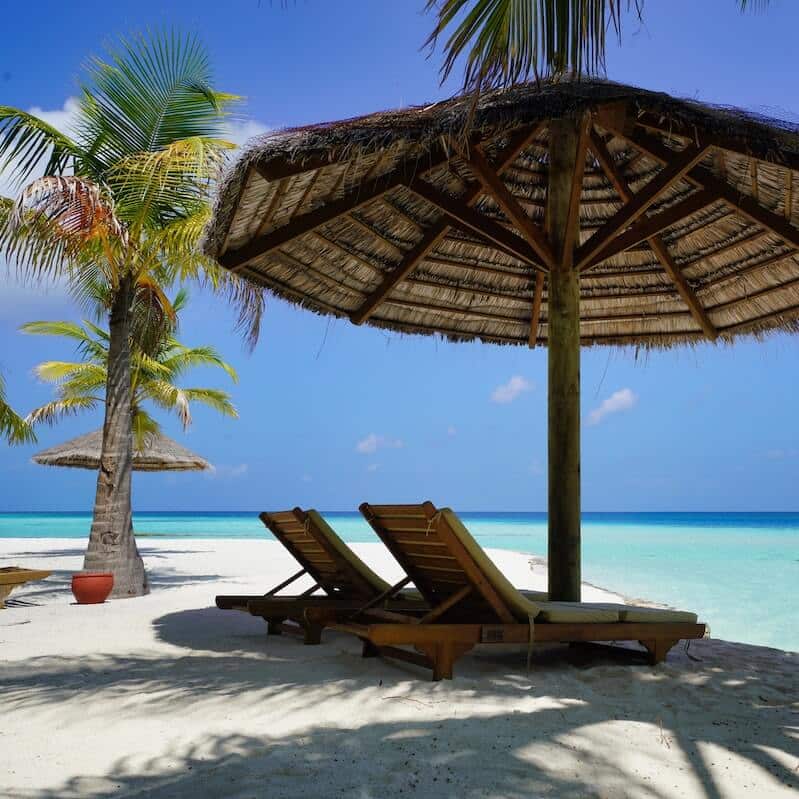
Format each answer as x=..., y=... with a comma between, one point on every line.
x=349, y=585
x=471, y=602
x=12, y=577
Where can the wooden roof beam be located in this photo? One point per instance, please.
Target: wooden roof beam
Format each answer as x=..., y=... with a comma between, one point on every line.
x=743, y=204
x=362, y=195
x=437, y=232
x=488, y=229
x=650, y=226
x=509, y=205
x=675, y=170
x=655, y=242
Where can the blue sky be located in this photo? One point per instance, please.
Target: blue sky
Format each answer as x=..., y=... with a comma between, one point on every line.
x=330, y=414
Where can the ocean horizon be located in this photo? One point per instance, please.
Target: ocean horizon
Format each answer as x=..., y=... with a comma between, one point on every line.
x=737, y=570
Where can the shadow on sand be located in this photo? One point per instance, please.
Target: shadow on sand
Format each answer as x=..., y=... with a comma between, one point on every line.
x=559, y=747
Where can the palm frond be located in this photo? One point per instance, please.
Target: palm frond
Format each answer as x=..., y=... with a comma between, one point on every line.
x=212, y=398
x=168, y=396
x=57, y=328
x=13, y=428
x=144, y=427
x=53, y=412
x=29, y=145
x=95, y=349
x=147, y=95
x=248, y=300
x=59, y=371
x=153, y=188
x=152, y=314
x=502, y=42
x=506, y=41
x=180, y=359
x=60, y=225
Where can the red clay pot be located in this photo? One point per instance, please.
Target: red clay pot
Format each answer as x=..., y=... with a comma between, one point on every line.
x=91, y=588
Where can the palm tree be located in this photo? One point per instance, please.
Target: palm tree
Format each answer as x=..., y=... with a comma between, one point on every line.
x=81, y=385
x=122, y=203
x=507, y=41
x=13, y=428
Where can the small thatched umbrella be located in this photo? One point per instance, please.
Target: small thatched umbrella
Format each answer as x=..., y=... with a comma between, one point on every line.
x=569, y=213
x=161, y=454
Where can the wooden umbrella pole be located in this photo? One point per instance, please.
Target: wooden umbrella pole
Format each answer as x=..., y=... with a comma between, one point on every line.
x=567, y=162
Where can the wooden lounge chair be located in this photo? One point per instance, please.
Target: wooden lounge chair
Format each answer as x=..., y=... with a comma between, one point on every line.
x=471, y=602
x=12, y=577
x=349, y=585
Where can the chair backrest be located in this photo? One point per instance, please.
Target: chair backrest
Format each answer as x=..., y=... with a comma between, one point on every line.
x=317, y=548
x=443, y=560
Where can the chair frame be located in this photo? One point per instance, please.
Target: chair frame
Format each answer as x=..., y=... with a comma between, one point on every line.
x=439, y=644
x=12, y=577
x=307, y=613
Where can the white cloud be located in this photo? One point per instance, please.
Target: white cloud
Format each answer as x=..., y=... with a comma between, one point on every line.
x=622, y=400
x=240, y=131
x=63, y=118
x=508, y=392
x=374, y=442
x=225, y=472
x=372, y=467
x=452, y=431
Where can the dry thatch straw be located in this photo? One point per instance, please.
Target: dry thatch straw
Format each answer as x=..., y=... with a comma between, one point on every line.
x=386, y=219
x=161, y=454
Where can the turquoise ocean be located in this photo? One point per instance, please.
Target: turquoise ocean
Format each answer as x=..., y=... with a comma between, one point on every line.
x=739, y=571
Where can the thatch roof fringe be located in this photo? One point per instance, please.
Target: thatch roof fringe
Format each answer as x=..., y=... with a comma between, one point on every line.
x=160, y=454
x=399, y=253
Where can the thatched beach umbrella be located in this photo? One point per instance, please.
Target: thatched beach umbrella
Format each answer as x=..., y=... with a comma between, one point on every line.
x=569, y=214
x=161, y=454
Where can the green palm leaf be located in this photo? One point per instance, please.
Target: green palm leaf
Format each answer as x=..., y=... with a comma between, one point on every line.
x=53, y=412
x=501, y=42
x=13, y=427
x=29, y=145
x=150, y=94
x=155, y=370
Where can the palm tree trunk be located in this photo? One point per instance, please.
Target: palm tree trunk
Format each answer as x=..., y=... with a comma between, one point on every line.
x=112, y=545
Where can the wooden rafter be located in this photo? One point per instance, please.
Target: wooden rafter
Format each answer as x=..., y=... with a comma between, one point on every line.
x=675, y=170
x=655, y=242
x=435, y=234
x=311, y=183
x=277, y=195
x=499, y=192
x=362, y=195
x=478, y=223
x=650, y=226
x=743, y=204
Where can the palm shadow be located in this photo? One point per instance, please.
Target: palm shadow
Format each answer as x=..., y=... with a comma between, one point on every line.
x=549, y=732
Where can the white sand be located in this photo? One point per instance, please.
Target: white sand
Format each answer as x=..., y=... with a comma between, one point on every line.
x=165, y=696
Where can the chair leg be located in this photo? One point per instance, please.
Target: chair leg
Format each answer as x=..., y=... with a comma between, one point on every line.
x=443, y=656
x=369, y=650
x=658, y=648
x=313, y=634
x=274, y=626
x=5, y=590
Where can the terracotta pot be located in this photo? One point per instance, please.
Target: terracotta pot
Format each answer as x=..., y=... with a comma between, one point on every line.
x=91, y=588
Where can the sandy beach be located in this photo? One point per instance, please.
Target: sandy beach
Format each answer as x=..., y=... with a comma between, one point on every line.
x=166, y=696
